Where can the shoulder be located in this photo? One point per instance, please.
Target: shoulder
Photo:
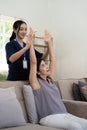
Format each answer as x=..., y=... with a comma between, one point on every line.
x=10, y=44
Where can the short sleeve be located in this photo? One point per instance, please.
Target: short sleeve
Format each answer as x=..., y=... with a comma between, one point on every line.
x=10, y=49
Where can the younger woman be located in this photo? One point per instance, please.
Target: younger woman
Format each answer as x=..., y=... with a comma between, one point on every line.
x=17, y=53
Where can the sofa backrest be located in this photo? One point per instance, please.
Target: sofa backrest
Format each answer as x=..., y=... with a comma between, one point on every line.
x=65, y=87
x=18, y=87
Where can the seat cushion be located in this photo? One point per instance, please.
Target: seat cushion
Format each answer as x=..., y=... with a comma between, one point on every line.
x=32, y=127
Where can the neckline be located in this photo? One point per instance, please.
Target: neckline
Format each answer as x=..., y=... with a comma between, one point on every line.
x=19, y=43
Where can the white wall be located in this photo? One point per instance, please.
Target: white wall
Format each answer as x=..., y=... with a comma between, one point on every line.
x=69, y=25
x=67, y=20
x=32, y=11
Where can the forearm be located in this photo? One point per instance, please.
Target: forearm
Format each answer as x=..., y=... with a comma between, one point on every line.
x=45, y=54
x=51, y=52
x=52, y=59
x=17, y=55
x=32, y=55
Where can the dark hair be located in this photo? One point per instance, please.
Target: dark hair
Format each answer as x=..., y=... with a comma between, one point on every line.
x=38, y=66
x=16, y=26
x=38, y=63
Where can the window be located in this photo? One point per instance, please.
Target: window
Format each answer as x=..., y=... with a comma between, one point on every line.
x=6, y=24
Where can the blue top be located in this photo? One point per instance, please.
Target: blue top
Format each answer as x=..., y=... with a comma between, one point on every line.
x=48, y=100
x=16, y=70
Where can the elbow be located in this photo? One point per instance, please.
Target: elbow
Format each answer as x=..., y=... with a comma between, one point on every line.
x=30, y=81
x=11, y=60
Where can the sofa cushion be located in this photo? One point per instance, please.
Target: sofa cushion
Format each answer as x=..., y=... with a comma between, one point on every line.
x=84, y=91
x=19, y=92
x=33, y=127
x=30, y=104
x=65, y=87
x=76, y=92
x=82, y=86
x=10, y=110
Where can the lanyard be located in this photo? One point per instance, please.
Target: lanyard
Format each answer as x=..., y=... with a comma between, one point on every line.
x=24, y=55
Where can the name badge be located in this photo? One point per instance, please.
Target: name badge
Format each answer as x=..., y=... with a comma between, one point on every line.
x=24, y=64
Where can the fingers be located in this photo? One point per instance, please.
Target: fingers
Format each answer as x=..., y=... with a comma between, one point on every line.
x=46, y=32
x=32, y=32
x=47, y=36
x=29, y=38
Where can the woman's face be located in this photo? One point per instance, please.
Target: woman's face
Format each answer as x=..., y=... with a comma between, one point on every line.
x=44, y=68
x=22, y=31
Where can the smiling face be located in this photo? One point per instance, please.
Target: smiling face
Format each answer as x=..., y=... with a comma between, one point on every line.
x=21, y=31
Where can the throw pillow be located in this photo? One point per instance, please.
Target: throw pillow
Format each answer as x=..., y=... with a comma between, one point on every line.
x=10, y=110
x=30, y=104
x=83, y=90
x=81, y=85
x=76, y=92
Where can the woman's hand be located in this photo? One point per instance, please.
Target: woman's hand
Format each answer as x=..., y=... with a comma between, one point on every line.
x=47, y=37
x=30, y=38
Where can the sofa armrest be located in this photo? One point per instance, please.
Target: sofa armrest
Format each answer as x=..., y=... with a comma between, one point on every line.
x=77, y=108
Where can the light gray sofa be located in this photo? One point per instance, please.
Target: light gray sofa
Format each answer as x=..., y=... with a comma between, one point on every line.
x=65, y=86
x=78, y=108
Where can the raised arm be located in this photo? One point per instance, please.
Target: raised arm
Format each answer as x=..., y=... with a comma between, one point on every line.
x=48, y=40
x=46, y=53
x=33, y=67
